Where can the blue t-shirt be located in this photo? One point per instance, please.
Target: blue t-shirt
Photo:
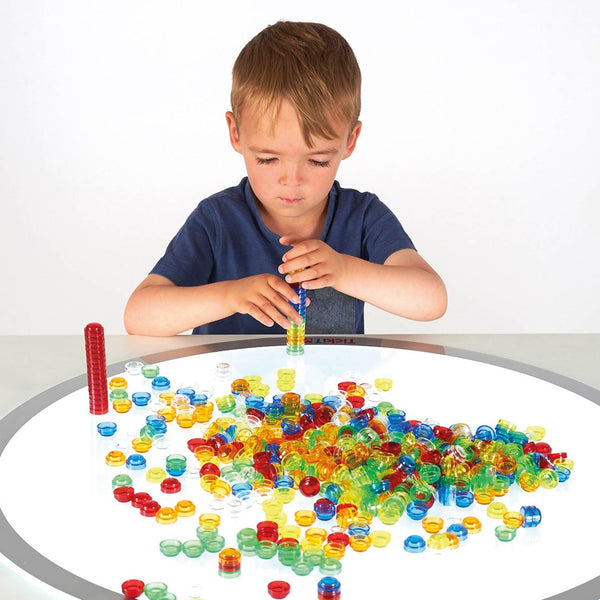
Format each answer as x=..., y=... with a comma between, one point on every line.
x=225, y=239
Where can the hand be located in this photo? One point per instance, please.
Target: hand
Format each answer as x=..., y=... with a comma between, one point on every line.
x=266, y=298
x=312, y=263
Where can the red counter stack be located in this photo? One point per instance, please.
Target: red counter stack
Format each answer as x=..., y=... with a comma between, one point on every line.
x=95, y=354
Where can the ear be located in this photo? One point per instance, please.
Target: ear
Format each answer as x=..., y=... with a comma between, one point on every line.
x=352, y=138
x=234, y=134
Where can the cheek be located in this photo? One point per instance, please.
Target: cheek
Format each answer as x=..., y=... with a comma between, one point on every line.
x=325, y=177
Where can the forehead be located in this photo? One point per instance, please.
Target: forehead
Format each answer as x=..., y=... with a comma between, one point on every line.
x=279, y=123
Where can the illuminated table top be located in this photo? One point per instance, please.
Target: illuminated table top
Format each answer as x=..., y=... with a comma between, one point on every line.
x=27, y=370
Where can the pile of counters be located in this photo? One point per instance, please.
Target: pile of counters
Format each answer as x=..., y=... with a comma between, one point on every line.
x=353, y=452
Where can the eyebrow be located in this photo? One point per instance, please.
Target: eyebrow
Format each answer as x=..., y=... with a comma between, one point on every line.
x=315, y=153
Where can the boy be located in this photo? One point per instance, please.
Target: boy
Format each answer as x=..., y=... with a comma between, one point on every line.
x=295, y=106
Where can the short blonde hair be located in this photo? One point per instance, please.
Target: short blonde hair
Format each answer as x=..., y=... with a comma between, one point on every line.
x=308, y=64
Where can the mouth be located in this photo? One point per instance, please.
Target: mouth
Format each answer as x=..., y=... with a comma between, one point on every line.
x=290, y=201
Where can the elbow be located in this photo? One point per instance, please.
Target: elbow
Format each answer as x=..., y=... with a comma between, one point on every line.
x=129, y=322
x=440, y=302
x=437, y=303
x=132, y=320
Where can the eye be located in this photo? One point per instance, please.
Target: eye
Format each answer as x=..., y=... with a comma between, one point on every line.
x=319, y=163
x=265, y=161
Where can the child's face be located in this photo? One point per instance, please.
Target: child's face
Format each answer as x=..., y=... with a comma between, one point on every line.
x=290, y=179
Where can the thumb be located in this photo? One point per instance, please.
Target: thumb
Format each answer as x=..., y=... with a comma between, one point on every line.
x=287, y=240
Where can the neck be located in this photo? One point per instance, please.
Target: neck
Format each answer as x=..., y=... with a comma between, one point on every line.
x=304, y=227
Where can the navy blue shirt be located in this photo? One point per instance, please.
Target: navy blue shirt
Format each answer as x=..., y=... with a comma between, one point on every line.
x=225, y=238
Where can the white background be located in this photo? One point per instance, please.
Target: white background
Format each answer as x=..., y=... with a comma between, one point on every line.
x=481, y=131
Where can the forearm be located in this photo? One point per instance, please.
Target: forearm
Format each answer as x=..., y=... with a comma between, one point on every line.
x=163, y=310
x=407, y=291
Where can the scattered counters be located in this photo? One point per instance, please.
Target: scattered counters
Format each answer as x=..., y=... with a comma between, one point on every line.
x=170, y=485
x=438, y=541
x=192, y=548
x=329, y=588
x=132, y=588
x=414, y=544
x=278, y=589
x=170, y=547
x=121, y=480
x=380, y=538
x=472, y=524
x=505, y=533
x=532, y=516
x=106, y=428
x=432, y=524
x=333, y=472
x=123, y=493
x=230, y=563
x=459, y=530
x=513, y=518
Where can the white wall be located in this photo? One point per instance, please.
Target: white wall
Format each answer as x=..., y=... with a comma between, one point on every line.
x=481, y=131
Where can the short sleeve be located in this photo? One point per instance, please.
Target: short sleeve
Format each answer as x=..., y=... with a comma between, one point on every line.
x=189, y=257
x=383, y=233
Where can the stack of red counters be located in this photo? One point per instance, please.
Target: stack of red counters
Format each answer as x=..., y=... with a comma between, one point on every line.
x=95, y=354
x=267, y=530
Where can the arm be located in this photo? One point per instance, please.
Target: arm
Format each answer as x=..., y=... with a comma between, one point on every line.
x=159, y=307
x=404, y=285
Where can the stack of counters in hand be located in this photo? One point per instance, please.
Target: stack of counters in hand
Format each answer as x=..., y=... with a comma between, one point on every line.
x=296, y=332
x=95, y=354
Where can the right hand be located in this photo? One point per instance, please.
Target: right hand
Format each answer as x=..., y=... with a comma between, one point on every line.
x=266, y=298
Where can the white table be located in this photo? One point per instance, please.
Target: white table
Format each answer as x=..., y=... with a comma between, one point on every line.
x=31, y=364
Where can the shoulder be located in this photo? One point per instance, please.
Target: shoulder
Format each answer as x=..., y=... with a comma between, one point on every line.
x=231, y=195
x=222, y=205
x=352, y=195
x=354, y=202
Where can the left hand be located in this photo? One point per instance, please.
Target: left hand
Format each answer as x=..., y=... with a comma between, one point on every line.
x=317, y=265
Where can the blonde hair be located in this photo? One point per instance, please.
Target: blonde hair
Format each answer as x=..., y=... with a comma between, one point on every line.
x=308, y=64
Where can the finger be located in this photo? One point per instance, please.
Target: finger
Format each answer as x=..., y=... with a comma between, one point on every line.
x=288, y=240
x=260, y=316
x=281, y=288
x=298, y=263
x=317, y=283
x=268, y=314
x=283, y=312
x=300, y=248
x=278, y=309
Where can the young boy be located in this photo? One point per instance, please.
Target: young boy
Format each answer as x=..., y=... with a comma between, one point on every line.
x=295, y=105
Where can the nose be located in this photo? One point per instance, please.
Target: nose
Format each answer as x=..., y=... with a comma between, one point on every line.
x=290, y=174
